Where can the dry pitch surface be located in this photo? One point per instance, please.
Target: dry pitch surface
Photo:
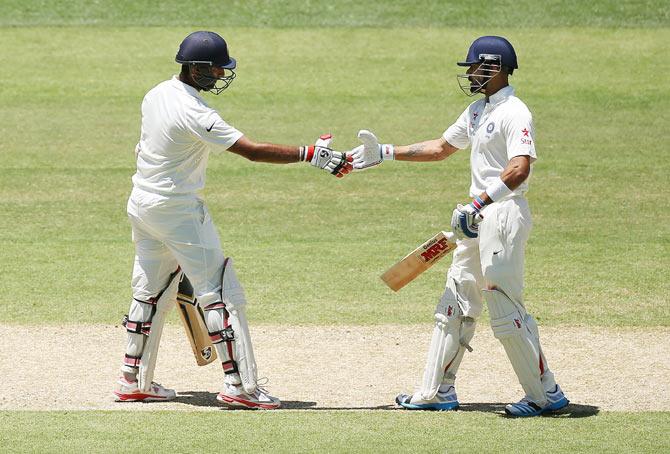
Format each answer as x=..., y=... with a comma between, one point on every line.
x=343, y=367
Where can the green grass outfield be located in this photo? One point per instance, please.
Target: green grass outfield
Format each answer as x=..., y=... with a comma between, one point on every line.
x=309, y=248
x=344, y=431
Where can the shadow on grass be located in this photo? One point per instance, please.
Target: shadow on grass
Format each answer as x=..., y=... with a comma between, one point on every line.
x=207, y=399
x=571, y=411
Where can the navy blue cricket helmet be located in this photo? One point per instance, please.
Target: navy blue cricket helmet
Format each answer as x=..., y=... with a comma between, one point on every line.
x=202, y=51
x=486, y=48
x=205, y=47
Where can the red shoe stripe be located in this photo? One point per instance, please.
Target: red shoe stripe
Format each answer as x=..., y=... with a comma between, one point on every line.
x=247, y=403
x=137, y=396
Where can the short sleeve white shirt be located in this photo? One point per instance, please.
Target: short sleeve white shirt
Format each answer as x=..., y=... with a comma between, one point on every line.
x=497, y=131
x=179, y=130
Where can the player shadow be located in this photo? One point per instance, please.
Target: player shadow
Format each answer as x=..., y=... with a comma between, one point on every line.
x=207, y=399
x=571, y=411
x=197, y=398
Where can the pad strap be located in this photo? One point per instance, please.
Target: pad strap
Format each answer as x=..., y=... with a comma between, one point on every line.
x=230, y=367
x=136, y=327
x=131, y=361
x=225, y=335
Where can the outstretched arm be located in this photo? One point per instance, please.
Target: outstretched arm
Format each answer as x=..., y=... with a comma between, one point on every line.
x=318, y=155
x=372, y=153
x=265, y=152
x=430, y=150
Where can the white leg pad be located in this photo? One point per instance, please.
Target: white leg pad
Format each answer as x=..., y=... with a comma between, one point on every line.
x=546, y=376
x=510, y=327
x=451, y=335
x=165, y=302
x=229, y=331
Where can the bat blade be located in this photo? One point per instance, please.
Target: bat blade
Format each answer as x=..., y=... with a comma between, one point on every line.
x=193, y=319
x=419, y=260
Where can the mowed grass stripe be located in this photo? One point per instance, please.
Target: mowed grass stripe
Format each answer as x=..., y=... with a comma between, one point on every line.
x=328, y=431
x=343, y=13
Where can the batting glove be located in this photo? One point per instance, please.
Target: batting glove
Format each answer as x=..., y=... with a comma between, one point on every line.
x=371, y=153
x=322, y=156
x=465, y=219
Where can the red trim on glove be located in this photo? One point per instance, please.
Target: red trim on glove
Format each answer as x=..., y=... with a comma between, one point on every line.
x=310, y=153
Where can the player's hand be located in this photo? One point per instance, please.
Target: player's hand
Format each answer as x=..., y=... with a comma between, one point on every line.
x=371, y=153
x=322, y=156
x=466, y=218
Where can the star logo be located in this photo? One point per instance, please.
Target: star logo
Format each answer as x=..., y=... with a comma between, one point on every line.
x=525, y=132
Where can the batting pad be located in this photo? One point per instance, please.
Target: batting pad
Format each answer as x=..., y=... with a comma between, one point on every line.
x=235, y=301
x=508, y=321
x=166, y=301
x=451, y=335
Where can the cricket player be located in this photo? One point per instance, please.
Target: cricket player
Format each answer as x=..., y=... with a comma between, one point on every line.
x=492, y=230
x=174, y=233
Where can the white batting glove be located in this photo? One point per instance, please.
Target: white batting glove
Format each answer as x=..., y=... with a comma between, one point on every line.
x=465, y=219
x=322, y=156
x=371, y=153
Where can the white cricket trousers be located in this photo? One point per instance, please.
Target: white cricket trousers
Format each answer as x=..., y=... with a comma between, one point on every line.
x=495, y=257
x=171, y=231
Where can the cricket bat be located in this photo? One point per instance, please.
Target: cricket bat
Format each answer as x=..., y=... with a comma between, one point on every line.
x=193, y=318
x=419, y=260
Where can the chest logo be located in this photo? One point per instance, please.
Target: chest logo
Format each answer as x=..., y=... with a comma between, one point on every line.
x=490, y=127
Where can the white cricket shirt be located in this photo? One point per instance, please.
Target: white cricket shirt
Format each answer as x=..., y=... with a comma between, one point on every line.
x=497, y=131
x=179, y=130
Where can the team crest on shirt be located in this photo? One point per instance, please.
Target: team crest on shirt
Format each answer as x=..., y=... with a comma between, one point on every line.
x=490, y=127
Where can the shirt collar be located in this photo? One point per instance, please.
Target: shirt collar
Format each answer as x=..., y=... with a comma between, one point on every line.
x=186, y=87
x=501, y=95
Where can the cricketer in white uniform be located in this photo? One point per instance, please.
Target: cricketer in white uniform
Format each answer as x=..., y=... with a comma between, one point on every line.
x=174, y=233
x=492, y=229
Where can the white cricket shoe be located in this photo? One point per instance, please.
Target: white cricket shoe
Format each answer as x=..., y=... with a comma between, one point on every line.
x=128, y=391
x=442, y=401
x=234, y=396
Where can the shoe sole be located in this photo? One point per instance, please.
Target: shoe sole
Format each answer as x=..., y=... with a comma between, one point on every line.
x=431, y=407
x=236, y=402
x=140, y=397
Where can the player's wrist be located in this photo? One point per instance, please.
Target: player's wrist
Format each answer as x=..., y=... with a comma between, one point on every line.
x=387, y=151
x=498, y=190
x=307, y=153
x=477, y=204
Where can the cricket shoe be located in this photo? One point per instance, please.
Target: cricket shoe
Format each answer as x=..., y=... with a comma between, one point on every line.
x=556, y=399
x=525, y=408
x=129, y=391
x=234, y=396
x=442, y=401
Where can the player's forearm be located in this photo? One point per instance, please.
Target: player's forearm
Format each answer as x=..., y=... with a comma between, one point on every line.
x=428, y=151
x=516, y=172
x=266, y=152
x=273, y=153
x=513, y=175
